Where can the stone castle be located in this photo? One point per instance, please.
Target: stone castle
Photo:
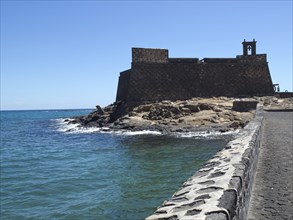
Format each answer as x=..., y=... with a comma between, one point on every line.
x=154, y=76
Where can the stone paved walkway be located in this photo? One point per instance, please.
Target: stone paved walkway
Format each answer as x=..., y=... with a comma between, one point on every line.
x=272, y=194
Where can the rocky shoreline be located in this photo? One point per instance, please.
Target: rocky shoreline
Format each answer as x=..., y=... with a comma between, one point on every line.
x=198, y=114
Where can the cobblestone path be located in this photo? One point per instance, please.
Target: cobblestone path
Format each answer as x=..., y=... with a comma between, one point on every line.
x=272, y=194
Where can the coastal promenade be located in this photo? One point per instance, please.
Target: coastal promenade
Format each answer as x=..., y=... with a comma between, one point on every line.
x=272, y=193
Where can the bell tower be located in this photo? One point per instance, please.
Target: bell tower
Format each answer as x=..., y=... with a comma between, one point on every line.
x=249, y=47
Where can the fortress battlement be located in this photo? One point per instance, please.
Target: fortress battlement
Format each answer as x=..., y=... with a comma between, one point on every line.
x=154, y=76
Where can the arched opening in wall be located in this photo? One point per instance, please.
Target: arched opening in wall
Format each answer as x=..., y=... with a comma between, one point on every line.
x=249, y=50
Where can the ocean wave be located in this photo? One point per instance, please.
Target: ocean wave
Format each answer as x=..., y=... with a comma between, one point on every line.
x=205, y=134
x=64, y=125
x=143, y=132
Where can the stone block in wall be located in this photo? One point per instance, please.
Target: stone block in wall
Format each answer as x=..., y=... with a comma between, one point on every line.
x=217, y=216
x=229, y=201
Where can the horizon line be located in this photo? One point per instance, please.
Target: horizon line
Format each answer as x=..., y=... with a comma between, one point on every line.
x=53, y=109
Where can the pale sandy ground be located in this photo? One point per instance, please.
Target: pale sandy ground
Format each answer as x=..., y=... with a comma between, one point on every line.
x=198, y=113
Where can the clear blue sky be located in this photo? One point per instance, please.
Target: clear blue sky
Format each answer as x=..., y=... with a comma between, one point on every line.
x=68, y=54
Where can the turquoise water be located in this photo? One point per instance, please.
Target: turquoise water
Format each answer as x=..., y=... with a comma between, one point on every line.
x=47, y=173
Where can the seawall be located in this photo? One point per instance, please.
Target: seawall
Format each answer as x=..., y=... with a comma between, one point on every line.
x=221, y=189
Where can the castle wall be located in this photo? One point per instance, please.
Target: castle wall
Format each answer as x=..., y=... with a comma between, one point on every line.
x=175, y=81
x=254, y=59
x=154, y=77
x=183, y=60
x=123, y=85
x=220, y=60
x=151, y=82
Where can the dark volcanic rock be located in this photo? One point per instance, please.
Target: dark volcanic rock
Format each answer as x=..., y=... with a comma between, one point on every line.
x=99, y=110
x=102, y=117
x=159, y=112
x=205, y=106
x=214, y=114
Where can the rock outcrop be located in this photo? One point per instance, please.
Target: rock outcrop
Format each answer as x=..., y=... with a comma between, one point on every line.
x=197, y=114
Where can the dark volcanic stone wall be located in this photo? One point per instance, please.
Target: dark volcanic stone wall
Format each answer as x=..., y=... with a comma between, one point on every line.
x=149, y=55
x=123, y=85
x=155, y=81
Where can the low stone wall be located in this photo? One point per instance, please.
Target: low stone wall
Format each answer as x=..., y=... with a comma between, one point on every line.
x=244, y=105
x=221, y=188
x=284, y=94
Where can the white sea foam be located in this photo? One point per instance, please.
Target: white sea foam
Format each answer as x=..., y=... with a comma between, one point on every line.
x=205, y=134
x=64, y=125
x=143, y=132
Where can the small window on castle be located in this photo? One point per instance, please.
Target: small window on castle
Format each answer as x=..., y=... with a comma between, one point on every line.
x=249, y=50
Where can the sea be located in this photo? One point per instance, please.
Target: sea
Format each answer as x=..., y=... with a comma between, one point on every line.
x=51, y=170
